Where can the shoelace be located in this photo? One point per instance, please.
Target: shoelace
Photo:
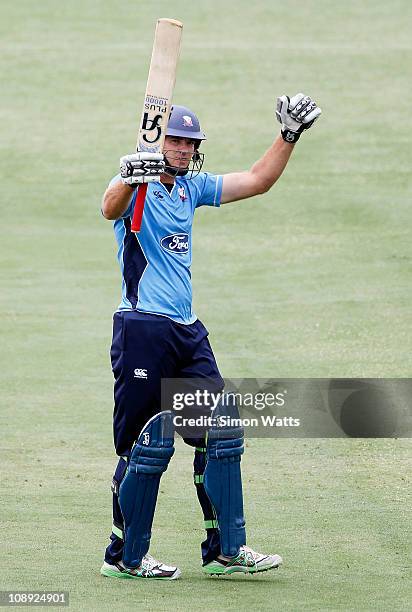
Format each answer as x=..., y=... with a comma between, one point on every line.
x=149, y=562
x=248, y=555
x=255, y=556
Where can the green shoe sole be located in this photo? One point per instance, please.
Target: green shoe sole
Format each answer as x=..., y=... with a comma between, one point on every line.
x=122, y=575
x=227, y=571
x=125, y=576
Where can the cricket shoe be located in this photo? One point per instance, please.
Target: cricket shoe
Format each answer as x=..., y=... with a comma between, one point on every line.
x=149, y=568
x=247, y=561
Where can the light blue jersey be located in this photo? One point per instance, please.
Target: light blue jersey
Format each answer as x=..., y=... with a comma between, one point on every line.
x=155, y=263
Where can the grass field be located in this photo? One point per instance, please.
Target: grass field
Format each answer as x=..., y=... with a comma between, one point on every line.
x=309, y=280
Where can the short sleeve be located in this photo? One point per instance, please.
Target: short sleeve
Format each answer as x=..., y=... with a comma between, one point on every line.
x=210, y=187
x=129, y=209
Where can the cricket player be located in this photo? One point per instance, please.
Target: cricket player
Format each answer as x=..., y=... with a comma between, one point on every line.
x=156, y=335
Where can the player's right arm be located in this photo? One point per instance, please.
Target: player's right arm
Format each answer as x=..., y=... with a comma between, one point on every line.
x=135, y=169
x=116, y=199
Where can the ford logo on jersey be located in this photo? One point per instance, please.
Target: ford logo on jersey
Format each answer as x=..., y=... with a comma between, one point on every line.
x=176, y=243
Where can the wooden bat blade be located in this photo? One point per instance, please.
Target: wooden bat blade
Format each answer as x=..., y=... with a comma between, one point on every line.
x=160, y=85
x=158, y=98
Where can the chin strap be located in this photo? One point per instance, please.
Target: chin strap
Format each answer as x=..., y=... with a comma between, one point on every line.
x=173, y=171
x=193, y=169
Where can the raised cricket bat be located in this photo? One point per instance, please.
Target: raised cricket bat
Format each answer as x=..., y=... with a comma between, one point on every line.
x=158, y=99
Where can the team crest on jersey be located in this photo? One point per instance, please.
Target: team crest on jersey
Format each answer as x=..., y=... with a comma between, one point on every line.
x=182, y=194
x=187, y=121
x=176, y=243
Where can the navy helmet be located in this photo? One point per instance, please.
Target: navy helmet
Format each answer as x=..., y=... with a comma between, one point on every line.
x=184, y=124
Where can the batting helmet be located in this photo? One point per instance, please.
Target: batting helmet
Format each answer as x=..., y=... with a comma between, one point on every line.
x=184, y=124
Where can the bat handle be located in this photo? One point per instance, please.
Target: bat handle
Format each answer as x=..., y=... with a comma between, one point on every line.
x=138, y=207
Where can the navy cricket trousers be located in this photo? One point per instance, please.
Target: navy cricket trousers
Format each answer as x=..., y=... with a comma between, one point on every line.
x=146, y=348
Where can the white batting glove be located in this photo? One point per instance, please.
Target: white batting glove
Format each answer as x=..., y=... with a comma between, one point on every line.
x=141, y=167
x=296, y=114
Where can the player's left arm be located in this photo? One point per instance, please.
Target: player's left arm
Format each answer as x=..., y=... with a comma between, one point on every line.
x=296, y=115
